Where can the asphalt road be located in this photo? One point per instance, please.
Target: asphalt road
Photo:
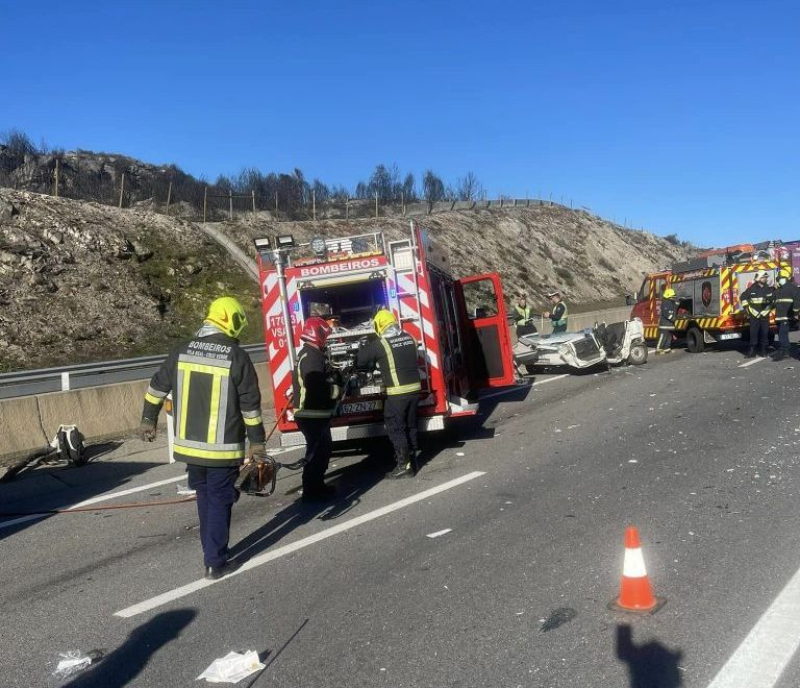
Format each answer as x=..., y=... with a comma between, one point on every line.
x=699, y=453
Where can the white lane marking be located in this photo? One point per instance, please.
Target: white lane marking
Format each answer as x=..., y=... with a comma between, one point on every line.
x=439, y=533
x=95, y=500
x=753, y=362
x=262, y=559
x=534, y=384
x=763, y=655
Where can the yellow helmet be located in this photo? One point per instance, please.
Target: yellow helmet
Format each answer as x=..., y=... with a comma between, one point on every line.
x=228, y=315
x=669, y=293
x=383, y=319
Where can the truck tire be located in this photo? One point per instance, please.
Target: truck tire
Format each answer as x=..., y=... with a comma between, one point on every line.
x=638, y=354
x=695, y=344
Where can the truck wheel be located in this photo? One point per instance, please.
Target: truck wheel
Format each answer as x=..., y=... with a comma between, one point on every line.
x=694, y=341
x=638, y=354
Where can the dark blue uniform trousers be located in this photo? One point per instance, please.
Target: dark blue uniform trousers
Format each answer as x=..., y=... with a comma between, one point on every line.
x=216, y=493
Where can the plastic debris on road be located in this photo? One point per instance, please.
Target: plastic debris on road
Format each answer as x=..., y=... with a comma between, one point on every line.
x=558, y=617
x=460, y=454
x=74, y=661
x=185, y=490
x=232, y=668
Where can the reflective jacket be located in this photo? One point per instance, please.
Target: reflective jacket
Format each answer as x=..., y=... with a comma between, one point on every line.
x=215, y=400
x=757, y=300
x=314, y=390
x=669, y=308
x=559, y=314
x=395, y=355
x=523, y=314
x=787, y=299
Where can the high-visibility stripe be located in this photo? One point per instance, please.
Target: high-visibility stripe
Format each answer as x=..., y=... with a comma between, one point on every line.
x=202, y=360
x=153, y=392
x=201, y=368
x=210, y=453
x=213, y=414
x=390, y=361
x=253, y=421
x=186, y=375
x=301, y=381
x=193, y=444
x=404, y=389
x=251, y=414
x=149, y=398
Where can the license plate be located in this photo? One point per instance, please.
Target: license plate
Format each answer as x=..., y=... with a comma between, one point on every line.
x=731, y=335
x=362, y=406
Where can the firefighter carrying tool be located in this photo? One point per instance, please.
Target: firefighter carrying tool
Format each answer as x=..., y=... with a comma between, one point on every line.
x=757, y=300
x=787, y=303
x=394, y=352
x=666, y=323
x=217, y=402
x=459, y=325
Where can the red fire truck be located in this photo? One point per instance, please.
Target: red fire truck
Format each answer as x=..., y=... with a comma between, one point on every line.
x=459, y=324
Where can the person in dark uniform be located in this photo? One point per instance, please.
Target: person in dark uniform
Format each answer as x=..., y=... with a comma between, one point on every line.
x=757, y=301
x=216, y=404
x=394, y=352
x=315, y=394
x=666, y=322
x=558, y=316
x=787, y=303
x=524, y=317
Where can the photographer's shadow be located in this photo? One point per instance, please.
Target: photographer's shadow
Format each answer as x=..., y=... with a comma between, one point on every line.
x=650, y=665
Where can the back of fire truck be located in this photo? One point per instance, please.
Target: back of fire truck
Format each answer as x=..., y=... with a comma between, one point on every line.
x=459, y=325
x=708, y=291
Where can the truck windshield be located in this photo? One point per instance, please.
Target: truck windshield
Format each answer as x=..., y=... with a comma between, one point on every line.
x=350, y=306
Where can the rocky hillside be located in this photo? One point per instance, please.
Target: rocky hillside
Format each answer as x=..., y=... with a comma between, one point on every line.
x=537, y=248
x=86, y=282
x=82, y=281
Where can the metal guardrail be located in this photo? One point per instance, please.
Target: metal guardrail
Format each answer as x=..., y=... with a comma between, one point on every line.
x=62, y=379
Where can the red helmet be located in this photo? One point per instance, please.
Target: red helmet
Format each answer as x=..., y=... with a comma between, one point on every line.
x=315, y=331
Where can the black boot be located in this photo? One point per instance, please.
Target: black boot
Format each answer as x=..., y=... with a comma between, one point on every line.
x=762, y=352
x=780, y=354
x=318, y=493
x=751, y=353
x=402, y=469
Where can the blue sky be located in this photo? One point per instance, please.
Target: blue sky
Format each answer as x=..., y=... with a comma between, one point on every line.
x=676, y=115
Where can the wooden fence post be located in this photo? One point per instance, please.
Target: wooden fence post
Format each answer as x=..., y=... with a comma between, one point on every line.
x=276, y=204
x=376, y=205
x=121, y=189
x=169, y=196
x=313, y=204
x=230, y=203
x=254, y=202
x=205, y=203
x=56, y=177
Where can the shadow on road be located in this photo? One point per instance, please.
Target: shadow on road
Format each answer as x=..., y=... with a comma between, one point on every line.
x=650, y=665
x=125, y=663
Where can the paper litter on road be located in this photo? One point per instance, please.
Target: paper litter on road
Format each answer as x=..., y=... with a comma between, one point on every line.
x=71, y=663
x=460, y=454
x=232, y=668
x=185, y=490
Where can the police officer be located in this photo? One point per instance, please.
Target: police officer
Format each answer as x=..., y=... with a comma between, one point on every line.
x=394, y=352
x=315, y=394
x=666, y=323
x=558, y=316
x=524, y=315
x=216, y=403
x=787, y=300
x=757, y=301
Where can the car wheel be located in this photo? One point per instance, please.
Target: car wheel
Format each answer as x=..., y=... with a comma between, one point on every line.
x=638, y=354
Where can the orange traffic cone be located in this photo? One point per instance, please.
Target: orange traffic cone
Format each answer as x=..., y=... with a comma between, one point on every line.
x=635, y=594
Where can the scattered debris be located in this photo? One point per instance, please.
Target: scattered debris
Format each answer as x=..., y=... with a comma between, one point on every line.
x=74, y=661
x=232, y=668
x=558, y=617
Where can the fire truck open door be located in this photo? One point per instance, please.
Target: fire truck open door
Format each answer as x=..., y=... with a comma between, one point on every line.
x=483, y=316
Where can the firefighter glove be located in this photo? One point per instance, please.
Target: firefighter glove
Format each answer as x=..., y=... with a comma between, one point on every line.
x=258, y=452
x=147, y=430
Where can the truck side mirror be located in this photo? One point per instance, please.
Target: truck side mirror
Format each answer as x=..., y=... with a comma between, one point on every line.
x=630, y=300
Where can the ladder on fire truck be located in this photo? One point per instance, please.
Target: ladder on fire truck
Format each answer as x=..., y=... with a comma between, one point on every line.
x=405, y=257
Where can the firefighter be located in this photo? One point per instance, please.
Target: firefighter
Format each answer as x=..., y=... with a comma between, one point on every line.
x=757, y=300
x=666, y=323
x=524, y=317
x=217, y=403
x=787, y=301
x=315, y=395
x=394, y=352
x=558, y=316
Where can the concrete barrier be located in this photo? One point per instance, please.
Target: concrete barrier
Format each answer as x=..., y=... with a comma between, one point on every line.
x=22, y=431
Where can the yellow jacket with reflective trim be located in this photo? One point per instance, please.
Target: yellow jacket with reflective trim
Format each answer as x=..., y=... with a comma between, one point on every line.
x=395, y=355
x=216, y=400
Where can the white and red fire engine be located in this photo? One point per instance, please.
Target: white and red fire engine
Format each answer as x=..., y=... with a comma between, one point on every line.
x=459, y=324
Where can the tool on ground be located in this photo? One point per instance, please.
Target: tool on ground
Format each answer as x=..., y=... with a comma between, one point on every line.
x=636, y=594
